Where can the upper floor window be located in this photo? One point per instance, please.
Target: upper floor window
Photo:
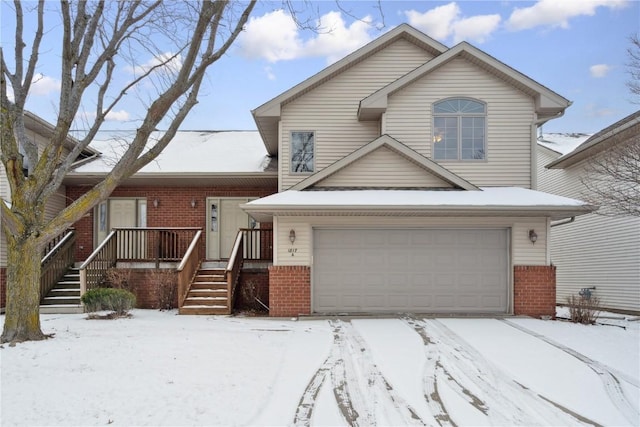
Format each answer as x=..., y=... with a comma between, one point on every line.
x=302, y=152
x=459, y=129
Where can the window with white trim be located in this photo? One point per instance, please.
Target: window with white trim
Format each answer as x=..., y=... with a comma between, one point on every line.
x=302, y=152
x=459, y=129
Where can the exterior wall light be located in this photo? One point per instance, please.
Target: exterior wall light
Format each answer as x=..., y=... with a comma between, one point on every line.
x=533, y=236
x=193, y=203
x=292, y=236
x=156, y=202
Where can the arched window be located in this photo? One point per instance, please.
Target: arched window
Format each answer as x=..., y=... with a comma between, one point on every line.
x=459, y=129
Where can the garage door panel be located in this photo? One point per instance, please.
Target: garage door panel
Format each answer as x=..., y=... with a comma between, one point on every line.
x=413, y=270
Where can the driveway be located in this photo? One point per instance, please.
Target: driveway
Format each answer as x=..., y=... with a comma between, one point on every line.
x=158, y=368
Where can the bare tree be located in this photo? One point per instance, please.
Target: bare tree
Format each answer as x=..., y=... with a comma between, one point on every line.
x=633, y=67
x=94, y=38
x=613, y=179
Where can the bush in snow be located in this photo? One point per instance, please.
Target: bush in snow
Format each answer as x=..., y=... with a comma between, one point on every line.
x=583, y=310
x=166, y=288
x=116, y=301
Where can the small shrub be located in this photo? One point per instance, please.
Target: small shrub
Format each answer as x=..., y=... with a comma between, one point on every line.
x=166, y=288
x=249, y=293
x=118, y=301
x=120, y=278
x=583, y=310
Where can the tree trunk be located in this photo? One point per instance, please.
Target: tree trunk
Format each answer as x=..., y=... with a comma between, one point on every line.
x=22, y=319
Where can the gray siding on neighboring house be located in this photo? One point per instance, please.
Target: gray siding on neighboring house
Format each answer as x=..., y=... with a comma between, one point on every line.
x=595, y=250
x=510, y=114
x=331, y=109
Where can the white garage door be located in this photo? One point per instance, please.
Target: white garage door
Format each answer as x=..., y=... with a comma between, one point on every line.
x=410, y=270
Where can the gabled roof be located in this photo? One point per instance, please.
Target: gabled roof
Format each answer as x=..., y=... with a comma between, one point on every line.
x=396, y=146
x=267, y=115
x=562, y=143
x=618, y=132
x=548, y=103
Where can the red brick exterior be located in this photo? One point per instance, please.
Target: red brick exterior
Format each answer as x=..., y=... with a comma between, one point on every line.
x=3, y=287
x=174, y=207
x=289, y=290
x=534, y=290
x=146, y=290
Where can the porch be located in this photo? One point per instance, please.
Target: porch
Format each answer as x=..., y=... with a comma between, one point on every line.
x=202, y=286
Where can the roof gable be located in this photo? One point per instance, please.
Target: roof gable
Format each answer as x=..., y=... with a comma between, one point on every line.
x=267, y=115
x=548, y=103
x=434, y=170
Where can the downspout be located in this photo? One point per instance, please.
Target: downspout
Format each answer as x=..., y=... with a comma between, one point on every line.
x=534, y=147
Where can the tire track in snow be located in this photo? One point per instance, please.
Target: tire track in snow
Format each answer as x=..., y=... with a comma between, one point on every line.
x=376, y=381
x=609, y=380
x=507, y=402
x=333, y=366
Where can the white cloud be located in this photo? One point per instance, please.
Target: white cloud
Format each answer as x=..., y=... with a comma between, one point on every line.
x=276, y=37
x=437, y=22
x=172, y=65
x=476, y=28
x=599, y=70
x=112, y=116
x=556, y=13
x=117, y=116
x=445, y=21
x=44, y=85
x=270, y=74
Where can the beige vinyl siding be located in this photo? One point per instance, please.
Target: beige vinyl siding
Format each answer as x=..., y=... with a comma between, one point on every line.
x=330, y=110
x=595, y=250
x=523, y=252
x=383, y=168
x=510, y=113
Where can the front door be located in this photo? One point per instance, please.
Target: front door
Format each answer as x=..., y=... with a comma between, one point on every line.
x=224, y=219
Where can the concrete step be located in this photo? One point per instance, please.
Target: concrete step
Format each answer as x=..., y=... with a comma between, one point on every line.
x=64, y=292
x=202, y=309
x=62, y=300
x=61, y=309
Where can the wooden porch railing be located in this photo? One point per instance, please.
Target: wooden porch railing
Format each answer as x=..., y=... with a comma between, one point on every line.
x=135, y=245
x=234, y=267
x=58, y=258
x=258, y=244
x=188, y=267
x=93, y=270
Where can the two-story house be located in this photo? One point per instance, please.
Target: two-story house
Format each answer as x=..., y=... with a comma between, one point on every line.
x=406, y=183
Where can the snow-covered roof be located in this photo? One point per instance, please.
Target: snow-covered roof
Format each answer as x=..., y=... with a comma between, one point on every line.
x=490, y=200
x=188, y=151
x=562, y=143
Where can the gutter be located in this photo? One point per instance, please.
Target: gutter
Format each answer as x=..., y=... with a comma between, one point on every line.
x=564, y=222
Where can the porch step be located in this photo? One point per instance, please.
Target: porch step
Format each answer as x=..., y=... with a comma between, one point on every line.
x=207, y=293
x=65, y=296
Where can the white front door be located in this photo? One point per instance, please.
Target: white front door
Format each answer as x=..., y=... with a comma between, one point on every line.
x=224, y=219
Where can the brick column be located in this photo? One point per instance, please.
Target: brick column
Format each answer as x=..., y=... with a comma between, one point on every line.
x=289, y=290
x=534, y=290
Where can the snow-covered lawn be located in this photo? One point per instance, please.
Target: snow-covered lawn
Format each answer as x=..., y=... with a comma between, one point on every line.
x=158, y=368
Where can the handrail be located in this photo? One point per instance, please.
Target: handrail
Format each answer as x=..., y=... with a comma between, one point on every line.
x=98, y=250
x=56, y=262
x=57, y=246
x=188, y=267
x=232, y=272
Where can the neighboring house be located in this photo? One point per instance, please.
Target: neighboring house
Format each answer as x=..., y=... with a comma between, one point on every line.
x=39, y=130
x=596, y=252
x=405, y=178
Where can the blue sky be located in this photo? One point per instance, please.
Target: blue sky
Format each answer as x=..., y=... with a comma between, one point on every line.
x=576, y=48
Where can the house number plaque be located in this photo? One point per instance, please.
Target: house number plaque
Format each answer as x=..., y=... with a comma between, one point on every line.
x=292, y=251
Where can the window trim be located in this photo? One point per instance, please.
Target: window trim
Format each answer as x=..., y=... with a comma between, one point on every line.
x=313, y=164
x=458, y=116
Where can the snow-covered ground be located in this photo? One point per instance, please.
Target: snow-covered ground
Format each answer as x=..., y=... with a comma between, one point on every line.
x=158, y=368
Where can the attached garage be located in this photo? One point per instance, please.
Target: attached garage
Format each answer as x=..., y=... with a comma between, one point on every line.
x=418, y=270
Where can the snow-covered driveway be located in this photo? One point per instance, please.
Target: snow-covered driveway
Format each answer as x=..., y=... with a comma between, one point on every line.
x=161, y=369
